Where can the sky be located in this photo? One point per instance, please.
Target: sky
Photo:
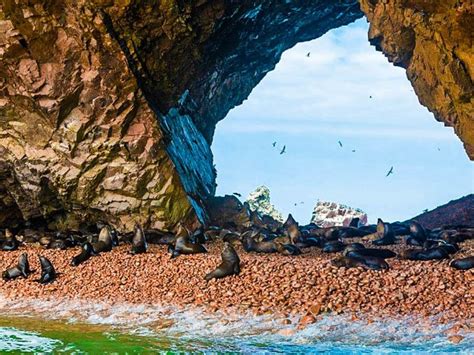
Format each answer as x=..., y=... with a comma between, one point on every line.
x=344, y=91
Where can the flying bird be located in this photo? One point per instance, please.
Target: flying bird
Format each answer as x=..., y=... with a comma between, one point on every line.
x=340, y=143
x=390, y=171
x=353, y=150
x=274, y=144
x=370, y=96
x=283, y=150
x=237, y=194
x=309, y=53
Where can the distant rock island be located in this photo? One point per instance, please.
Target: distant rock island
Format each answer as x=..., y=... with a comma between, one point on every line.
x=330, y=214
x=259, y=201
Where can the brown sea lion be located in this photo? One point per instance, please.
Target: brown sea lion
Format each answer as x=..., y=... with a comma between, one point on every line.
x=139, y=243
x=366, y=263
x=184, y=246
x=86, y=252
x=230, y=264
x=424, y=255
x=10, y=243
x=385, y=234
x=250, y=244
x=417, y=234
x=104, y=244
x=288, y=249
x=463, y=264
x=359, y=250
x=333, y=246
x=21, y=269
x=48, y=273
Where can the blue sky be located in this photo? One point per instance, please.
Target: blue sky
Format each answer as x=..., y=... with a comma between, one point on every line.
x=311, y=103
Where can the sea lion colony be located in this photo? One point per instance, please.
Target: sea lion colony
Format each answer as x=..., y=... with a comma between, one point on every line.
x=261, y=235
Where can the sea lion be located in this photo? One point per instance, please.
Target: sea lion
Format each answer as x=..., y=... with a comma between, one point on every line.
x=358, y=250
x=366, y=263
x=139, y=243
x=354, y=222
x=104, y=244
x=288, y=249
x=463, y=264
x=114, y=237
x=184, y=246
x=417, y=234
x=385, y=234
x=86, y=252
x=250, y=244
x=333, y=246
x=48, y=274
x=10, y=243
x=21, y=269
x=230, y=264
x=424, y=255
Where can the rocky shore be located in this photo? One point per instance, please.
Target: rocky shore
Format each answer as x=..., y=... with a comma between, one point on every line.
x=305, y=286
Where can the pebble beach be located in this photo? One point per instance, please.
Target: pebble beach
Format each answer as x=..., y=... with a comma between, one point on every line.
x=305, y=286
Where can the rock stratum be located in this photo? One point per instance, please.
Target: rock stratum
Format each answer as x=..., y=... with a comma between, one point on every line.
x=108, y=107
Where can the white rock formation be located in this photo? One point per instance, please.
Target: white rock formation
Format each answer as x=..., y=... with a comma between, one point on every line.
x=329, y=214
x=259, y=201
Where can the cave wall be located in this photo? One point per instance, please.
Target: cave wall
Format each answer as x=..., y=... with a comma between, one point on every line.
x=78, y=140
x=434, y=42
x=108, y=107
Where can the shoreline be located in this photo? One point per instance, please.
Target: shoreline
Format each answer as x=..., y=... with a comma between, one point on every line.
x=303, y=287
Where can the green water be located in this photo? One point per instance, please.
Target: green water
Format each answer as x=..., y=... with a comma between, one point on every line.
x=35, y=335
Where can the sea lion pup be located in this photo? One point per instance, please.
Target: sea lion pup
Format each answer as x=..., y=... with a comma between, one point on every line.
x=86, y=252
x=359, y=250
x=104, y=244
x=48, y=274
x=417, y=234
x=250, y=244
x=385, y=234
x=21, y=269
x=333, y=246
x=230, y=264
x=139, y=244
x=10, y=243
x=463, y=264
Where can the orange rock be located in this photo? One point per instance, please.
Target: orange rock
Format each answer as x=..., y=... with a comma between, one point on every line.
x=456, y=339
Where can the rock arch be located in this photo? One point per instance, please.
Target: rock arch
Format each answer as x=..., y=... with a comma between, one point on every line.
x=110, y=105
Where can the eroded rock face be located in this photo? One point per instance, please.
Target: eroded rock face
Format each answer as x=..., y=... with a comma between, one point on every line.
x=433, y=40
x=108, y=107
x=79, y=142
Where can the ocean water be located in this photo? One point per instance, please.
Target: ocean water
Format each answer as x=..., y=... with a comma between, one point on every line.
x=81, y=328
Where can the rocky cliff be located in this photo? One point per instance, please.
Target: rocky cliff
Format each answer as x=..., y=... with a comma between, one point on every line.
x=433, y=41
x=108, y=107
